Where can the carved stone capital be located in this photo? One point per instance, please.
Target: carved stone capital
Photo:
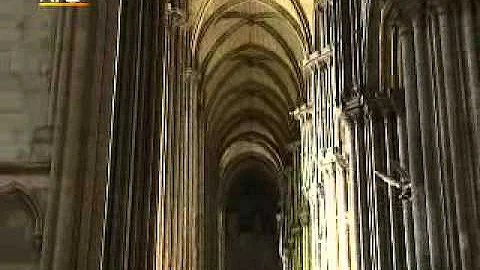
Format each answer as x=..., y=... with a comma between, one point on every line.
x=191, y=75
x=331, y=159
x=378, y=106
x=442, y=7
x=397, y=100
x=286, y=173
x=294, y=146
x=320, y=4
x=353, y=109
x=304, y=218
x=296, y=230
x=316, y=189
x=302, y=113
x=406, y=32
x=410, y=9
x=318, y=59
x=176, y=16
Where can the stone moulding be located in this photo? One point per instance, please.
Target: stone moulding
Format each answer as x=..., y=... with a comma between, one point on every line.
x=12, y=187
x=322, y=58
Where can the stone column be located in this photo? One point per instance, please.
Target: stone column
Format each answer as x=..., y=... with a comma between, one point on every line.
x=83, y=96
x=395, y=203
x=299, y=231
x=364, y=232
x=406, y=204
x=466, y=225
x=304, y=115
x=414, y=150
x=338, y=170
x=187, y=172
x=446, y=164
x=353, y=210
x=312, y=168
x=344, y=48
x=195, y=174
x=472, y=54
x=172, y=162
x=307, y=221
x=162, y=205
x=379, y=208
x=178, y=168
x=182, y=168
x=432, y=184
x=331, y=217
x=132, y=197
x=170, y=58
x=284, y=218
x=164, y=221
x=200, y=115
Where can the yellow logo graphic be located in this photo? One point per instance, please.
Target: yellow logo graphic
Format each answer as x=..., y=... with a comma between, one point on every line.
x=64, y=3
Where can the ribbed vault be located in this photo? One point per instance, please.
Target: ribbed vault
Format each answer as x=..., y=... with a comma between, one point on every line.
x=249, y=55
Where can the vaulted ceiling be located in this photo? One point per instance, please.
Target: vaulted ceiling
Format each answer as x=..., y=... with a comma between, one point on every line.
x=250, y=53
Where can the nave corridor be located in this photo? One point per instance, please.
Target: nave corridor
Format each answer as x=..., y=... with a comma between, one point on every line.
x=240, y=135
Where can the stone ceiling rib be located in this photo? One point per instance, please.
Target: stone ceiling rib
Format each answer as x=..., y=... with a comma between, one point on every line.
x=254, y=134
x=250, y=117
x=244, y=92
x=246, y=104
x=249, y=55
x=210, y=10
x=245, y=150
x=270, y=84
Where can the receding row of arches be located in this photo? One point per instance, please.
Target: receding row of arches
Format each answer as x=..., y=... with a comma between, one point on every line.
x=250, y=56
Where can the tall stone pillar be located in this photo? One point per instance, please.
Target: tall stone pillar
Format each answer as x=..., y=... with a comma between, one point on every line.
x=406, y=203
x=472, y=54
x=164, y=130
x=169, y=88
x=445, y=156
x=364, y=232
x=201, y=227
x=432, y=184
x=414, y=150
x=304, y=115
x=288, y=243
x=353, y=210
x=467, y=225
x=339, y=170
x=82, y=83
x=132, y=196
x=397, y=230
x=193, y=167
x=288, y=247
x=378, y=190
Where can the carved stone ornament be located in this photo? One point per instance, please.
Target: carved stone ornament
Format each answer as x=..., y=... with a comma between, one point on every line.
x=319, y=59
x=32, y=205
x=304, y=218
x=41, y=146
x=176, y=16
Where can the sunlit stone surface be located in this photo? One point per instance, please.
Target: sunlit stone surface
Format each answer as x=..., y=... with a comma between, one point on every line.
x=240, y=134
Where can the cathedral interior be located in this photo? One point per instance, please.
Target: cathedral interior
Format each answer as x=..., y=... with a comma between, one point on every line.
x=240, y=135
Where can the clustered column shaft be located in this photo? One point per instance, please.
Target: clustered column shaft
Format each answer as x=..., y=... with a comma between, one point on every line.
x=81, y=93
x=430, y=153
x=180, y=230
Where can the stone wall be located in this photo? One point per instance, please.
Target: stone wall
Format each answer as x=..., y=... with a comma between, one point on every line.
x=26, y=46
